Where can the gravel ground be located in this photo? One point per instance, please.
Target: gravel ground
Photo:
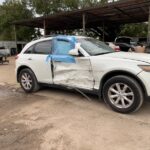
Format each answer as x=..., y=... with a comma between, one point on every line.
x=55, y=119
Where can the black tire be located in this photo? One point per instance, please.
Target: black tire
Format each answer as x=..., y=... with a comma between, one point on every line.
x=136, y=98
x=34, y=84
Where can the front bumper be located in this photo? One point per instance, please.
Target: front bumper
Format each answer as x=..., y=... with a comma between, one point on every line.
x=145, y=78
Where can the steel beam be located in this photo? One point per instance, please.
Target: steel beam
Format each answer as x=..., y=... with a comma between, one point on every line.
x=84, y=23
x=129, y=15
x=44, y=26
x=15, y=36
x=103, y=31
x=148, y=36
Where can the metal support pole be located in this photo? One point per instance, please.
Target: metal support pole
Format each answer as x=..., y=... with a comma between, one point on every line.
x=103, y=31
x=83, y=23
x=44, y=24
x=15, y=35
x=148, y=36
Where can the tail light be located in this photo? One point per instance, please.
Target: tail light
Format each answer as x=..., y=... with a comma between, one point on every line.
x=117, y=49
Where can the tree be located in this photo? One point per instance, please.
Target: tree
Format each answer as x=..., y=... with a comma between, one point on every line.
x=46, y=7
x=10, y=11
x=13, y=10
x=135, y=30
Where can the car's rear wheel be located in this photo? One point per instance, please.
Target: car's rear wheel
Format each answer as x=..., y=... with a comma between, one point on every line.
x=28, y=81
x=123, y=94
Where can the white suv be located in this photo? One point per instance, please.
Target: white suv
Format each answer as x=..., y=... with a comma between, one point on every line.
x=121, y=79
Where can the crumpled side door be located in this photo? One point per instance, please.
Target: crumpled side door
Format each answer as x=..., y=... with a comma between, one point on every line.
x=69, y=70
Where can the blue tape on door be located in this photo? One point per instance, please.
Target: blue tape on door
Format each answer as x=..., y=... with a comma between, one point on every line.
x=48, y=58
x=61, y=58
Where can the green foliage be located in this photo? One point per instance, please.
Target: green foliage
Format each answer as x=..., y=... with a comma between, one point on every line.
x=13, y=10
x=135, y=30
x=10, y=11
x=45, y=7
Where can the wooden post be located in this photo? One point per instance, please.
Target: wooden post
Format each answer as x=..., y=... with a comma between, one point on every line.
x=103, y=31
x=148, y=36
x=83, y=23
x=44, y=25
x=15, y=35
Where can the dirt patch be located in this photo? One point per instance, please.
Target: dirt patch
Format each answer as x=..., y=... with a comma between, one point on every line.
x=55, y=119
x=66, y=121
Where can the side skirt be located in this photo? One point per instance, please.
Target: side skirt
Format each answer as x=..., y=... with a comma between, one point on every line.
x=94, y=91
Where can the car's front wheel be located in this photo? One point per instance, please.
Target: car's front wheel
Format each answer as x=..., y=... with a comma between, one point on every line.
x=28, y=81
x=123, y=94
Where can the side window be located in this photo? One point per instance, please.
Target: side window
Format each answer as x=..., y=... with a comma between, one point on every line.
x=63, y=47
x=43, y=47
x=29, y=50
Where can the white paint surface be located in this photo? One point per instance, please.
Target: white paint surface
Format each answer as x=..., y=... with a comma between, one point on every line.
x=77, y=74
x=88, y=71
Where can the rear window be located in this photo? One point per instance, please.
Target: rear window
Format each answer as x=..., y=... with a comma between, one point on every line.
x=43, y=47
x=29, y=50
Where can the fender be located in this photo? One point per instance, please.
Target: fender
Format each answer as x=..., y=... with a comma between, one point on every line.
x=111, y=74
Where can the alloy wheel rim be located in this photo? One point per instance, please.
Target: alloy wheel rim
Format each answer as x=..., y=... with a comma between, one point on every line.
x=26, y=81
x=121, y=95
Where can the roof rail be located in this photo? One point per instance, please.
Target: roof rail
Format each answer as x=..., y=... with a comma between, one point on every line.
x=45, y=36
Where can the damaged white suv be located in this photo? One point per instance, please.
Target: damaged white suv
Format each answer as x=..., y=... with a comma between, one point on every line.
x=121, y=79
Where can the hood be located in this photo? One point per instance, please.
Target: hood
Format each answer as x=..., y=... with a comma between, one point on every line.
x=143, y=57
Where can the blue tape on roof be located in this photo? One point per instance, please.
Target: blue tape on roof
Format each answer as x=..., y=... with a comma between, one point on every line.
x=68, y=38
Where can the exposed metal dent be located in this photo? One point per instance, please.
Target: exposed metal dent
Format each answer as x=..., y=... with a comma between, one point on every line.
x=77, y=75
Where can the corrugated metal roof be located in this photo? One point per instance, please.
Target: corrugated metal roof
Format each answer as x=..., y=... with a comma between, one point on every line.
x=127, y=11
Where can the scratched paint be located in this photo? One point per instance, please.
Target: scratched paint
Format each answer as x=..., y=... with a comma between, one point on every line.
x=76, y=75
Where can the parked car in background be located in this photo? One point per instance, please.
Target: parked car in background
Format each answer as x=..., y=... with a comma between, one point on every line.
x=113, y=46
x=130, y=44
x=125, y=43
x=147, y=49
x=4, y=51
x=3, y=55
x=121, y=79
x=142, y=41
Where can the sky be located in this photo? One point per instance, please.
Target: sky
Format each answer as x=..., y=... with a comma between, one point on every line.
x=1, y=1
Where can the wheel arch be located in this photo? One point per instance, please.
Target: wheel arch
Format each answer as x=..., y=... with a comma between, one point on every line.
x=20, y=69
x=111, y=74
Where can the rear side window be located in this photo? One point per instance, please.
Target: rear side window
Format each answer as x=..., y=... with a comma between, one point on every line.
x=29, y=50
x=43, y=47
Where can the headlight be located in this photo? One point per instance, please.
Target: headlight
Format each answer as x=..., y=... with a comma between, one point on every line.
x=145, y=67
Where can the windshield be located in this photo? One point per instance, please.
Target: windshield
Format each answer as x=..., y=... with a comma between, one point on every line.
x=95, y=47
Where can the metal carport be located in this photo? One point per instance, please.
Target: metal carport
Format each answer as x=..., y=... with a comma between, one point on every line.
x=122, y=12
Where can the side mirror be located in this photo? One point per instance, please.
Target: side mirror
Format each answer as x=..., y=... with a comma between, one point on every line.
x=74, y=52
